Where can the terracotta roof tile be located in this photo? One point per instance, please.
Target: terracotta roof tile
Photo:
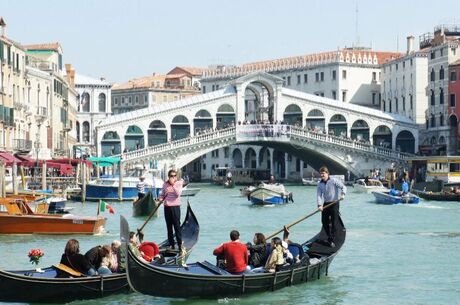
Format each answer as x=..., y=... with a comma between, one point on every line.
x=55, y=46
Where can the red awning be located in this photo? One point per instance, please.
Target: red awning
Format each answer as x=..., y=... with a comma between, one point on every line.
x=8, y=158
x=73, y=162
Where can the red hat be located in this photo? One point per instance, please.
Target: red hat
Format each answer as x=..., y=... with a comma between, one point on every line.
x=149, y=250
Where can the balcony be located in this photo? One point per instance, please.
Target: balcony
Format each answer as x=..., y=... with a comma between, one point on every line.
x=42, y=114
x=22, y=145
x=67, y=126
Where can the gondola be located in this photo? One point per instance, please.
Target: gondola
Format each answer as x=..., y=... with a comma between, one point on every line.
x=387, y=198
x=46, y=287
x=205, y=280
x=144, y=206
x=438, y=196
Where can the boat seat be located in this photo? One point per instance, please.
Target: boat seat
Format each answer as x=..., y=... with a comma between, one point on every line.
x=213, y=268
x=69, y=271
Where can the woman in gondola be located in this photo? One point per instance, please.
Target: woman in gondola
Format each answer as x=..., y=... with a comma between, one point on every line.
x=73, y=259
x=276, y=259
x=258, y=253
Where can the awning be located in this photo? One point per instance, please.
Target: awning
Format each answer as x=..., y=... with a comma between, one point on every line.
x=104, y=161
x=64, y=169
x=8, y=158
x=73, y=162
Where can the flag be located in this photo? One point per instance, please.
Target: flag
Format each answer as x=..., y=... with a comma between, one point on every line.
x=105, y=206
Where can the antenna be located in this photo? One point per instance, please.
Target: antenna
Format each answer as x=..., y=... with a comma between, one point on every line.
x=356, y=25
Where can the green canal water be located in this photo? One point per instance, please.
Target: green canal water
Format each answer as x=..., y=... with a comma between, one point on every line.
x=394, y=254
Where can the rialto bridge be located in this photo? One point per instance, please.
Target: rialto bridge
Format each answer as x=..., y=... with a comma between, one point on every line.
x=256, y=110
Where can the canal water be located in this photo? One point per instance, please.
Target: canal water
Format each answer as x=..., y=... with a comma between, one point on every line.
x=393, y=254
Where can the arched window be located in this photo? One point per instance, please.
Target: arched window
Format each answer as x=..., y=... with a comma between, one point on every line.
x=441, y=73
x=102, y=107
x=86, y=132
x=85, y=102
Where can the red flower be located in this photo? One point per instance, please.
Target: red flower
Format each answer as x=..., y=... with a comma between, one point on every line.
x=35, y=255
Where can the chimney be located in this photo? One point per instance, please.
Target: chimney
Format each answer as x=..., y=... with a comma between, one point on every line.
x=3, y=26
x=410, y=44
x=102, y=79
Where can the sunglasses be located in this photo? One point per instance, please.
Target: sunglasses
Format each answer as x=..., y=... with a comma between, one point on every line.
x=172, y=176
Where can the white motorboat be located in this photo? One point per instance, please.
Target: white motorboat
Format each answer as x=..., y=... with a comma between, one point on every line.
x=369, y=186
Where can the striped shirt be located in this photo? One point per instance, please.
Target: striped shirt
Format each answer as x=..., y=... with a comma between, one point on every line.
x=141, y=187
x=171, y=193
x=330, y=190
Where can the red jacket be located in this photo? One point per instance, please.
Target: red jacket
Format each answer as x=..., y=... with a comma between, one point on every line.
x=236, y=255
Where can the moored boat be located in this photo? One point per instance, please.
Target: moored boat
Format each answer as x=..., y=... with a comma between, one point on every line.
x=310, y=182
x=368, y=186
x=386, y=198
x=269, y=194
x=189, y=191
x=16, y=217
x=144, y=206
x=205, y=280
x=438, y=196
x=32, y=286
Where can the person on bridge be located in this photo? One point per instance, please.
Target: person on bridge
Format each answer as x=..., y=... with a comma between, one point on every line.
x=329, y=190
x=170, y=194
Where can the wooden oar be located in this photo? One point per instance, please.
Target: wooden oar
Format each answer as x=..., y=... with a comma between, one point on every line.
x=148, y=219
x=302, y=219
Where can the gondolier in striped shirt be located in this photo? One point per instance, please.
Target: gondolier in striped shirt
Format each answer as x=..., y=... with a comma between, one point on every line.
x=170, y=194
x=141, y=187
x=329, y=190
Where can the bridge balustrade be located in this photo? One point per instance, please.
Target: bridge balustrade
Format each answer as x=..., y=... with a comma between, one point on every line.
x=257, y=132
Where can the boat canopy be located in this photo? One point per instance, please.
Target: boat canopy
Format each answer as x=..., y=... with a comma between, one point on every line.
x=104, y=161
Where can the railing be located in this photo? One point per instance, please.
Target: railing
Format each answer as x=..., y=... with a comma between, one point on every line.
x=182, y=143
x=244, y=133
x=22, y=145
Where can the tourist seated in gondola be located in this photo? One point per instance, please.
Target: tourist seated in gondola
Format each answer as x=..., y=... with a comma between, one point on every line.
x=272, y=180
x=134, y=246
x=235, y=254
x=76, y=261
x=276, y=258
x=115, y=259
x=96, y=255
x=294, y=248
x=258, y=252
x=149, y=251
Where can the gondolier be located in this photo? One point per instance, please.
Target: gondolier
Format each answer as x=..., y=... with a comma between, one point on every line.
x=170, y=194
x=329, y=190
x=141, y=187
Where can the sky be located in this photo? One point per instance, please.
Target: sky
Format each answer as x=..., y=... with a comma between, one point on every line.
x=121, y=40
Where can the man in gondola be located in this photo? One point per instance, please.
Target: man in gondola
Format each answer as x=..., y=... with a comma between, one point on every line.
x=234, y=252
x=329, y=190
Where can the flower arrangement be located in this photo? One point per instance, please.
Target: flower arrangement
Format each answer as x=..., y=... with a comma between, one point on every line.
x=35, y=255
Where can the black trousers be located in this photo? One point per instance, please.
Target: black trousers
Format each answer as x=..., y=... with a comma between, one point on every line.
x=329, y=218
x=172, y=217
x=140, y=195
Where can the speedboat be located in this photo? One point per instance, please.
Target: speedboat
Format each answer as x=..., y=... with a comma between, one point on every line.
x=361, y=186
x=387, y=198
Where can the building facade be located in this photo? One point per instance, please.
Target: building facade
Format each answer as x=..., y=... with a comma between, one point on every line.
x=443, y=49
x=404, y=81
x=348, y=75
x=454, y=104
x=94, y=105
x=146, y=91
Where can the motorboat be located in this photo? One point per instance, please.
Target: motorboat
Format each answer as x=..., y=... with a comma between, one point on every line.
x=368, y=186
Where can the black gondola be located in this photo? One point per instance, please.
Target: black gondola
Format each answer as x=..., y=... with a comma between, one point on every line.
x=33, y=286
x=438, y=196
x=205, y=280
x=144, y=206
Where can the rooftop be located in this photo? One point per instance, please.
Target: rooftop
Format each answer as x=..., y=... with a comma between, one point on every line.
x=87, y=80
x=52, y=46
x=351, y=56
